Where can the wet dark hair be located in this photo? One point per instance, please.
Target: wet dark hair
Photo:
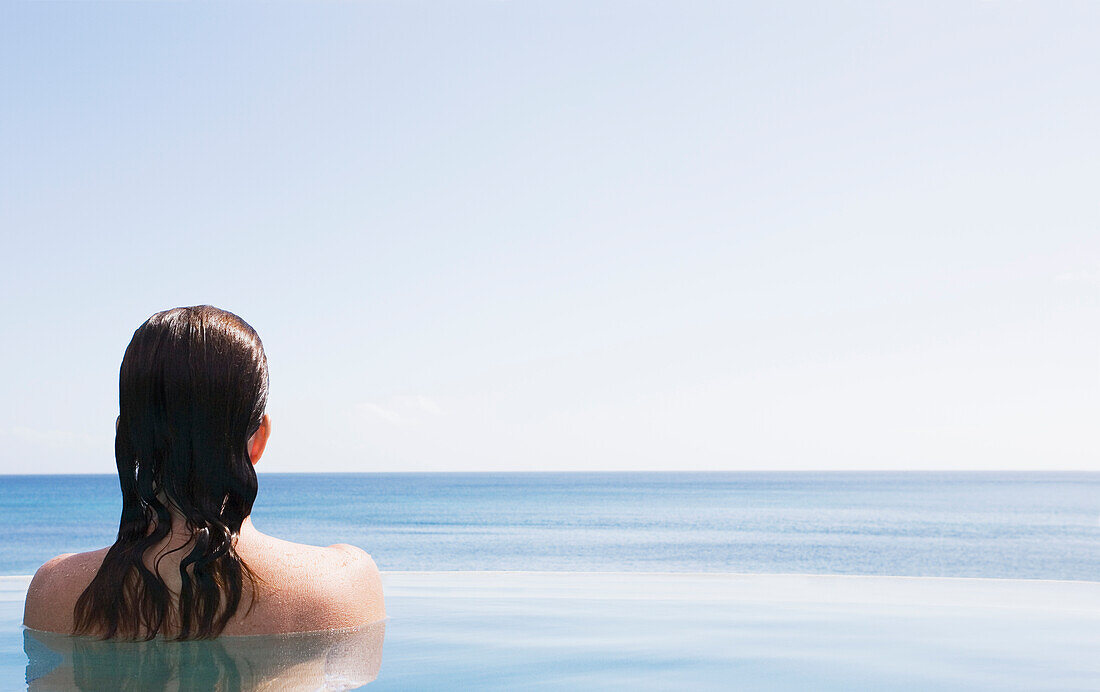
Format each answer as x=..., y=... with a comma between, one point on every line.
x=192, y=391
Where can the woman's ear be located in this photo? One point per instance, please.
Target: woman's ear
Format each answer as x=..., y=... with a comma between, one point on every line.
x=258, y=442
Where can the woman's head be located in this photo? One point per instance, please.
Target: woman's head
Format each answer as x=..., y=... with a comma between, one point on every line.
x=192, y=393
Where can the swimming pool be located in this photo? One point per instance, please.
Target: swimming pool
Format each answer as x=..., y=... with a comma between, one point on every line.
x=557, y=630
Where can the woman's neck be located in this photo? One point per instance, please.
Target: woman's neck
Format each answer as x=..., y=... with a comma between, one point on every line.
x=181, y=534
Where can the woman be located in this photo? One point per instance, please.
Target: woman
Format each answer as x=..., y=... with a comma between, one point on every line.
x=188, y=564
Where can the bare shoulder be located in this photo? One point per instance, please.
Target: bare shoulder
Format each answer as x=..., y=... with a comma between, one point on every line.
x=350, y=588
x=358, y=564
x=308, y=588
x=352, y=556
x=55, y=588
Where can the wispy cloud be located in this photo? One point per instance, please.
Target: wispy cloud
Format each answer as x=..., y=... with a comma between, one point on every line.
x=402, y=410
x=1087, y=275
x=53, y=439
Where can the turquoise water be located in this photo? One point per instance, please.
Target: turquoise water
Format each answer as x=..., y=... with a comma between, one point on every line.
x=1005, y=525
x=629, y=581
x=637, y=631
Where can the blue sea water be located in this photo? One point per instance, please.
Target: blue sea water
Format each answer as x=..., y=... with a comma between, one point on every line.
x=1002, y=525
x=630, y=580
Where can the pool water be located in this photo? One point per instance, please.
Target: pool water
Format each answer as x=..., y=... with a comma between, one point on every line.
x=557, y=630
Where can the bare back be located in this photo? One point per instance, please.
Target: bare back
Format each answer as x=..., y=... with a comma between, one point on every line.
x=302, y=588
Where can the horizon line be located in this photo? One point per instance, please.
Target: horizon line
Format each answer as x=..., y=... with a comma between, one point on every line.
x=596, y=471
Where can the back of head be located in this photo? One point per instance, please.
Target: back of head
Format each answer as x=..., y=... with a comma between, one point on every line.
x=192, y=391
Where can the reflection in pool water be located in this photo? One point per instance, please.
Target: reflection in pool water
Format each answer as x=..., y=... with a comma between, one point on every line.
x=637, y=631
x=335, y=660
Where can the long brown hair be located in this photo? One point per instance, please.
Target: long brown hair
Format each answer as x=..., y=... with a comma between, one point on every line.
x=192, y=391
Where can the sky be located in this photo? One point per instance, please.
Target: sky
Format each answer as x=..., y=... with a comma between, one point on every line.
x=538, y=236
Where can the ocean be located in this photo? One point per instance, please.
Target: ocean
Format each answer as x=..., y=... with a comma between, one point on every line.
x=641, y=581
x=1025, y=525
